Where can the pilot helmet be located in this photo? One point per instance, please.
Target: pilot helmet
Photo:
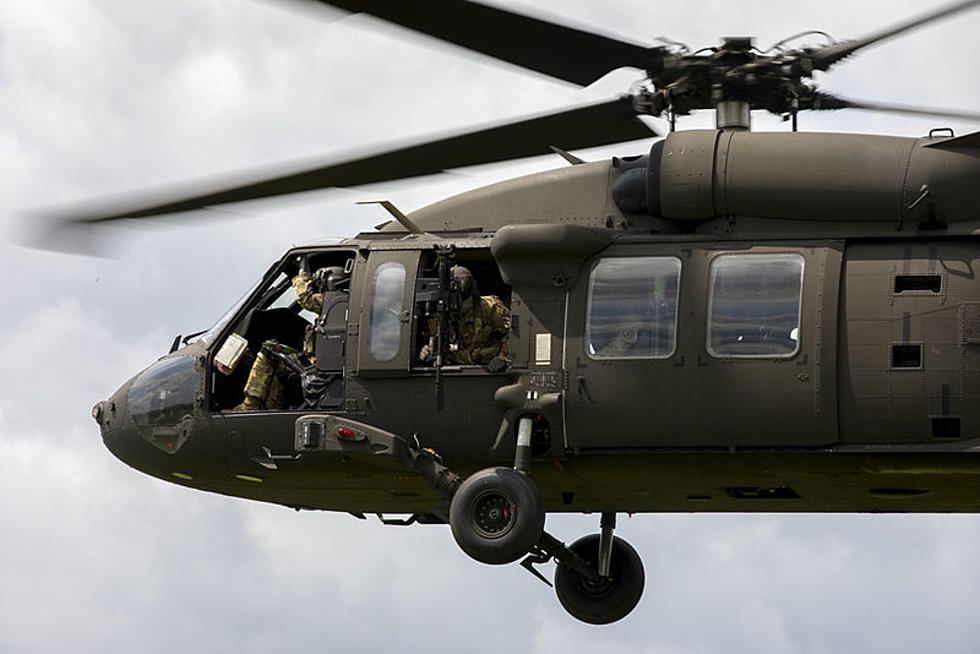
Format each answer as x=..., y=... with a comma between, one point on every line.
x=331, y=278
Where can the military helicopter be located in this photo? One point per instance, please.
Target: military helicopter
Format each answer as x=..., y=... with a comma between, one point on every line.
x=735, y=321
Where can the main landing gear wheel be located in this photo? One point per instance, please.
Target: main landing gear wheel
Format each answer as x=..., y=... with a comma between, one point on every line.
x=497, y=515
x=607, y=599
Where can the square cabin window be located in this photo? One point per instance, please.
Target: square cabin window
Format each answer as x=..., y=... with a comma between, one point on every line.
x=754, y=305
x=632, y=312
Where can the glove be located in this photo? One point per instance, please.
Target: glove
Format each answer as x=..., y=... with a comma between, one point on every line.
x=319, y=278
x=497, y=364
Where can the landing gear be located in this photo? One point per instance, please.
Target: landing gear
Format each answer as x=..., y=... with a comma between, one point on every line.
x=497, y=515
x=599, y=579
x=601, y=599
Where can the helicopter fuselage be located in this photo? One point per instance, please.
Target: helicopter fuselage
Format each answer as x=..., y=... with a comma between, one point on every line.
x=736, y=322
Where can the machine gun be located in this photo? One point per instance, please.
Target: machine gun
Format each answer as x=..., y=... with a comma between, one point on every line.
x=440, y=298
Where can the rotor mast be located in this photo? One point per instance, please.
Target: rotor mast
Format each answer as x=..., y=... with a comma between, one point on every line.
x=732, y=110
x=733, y=115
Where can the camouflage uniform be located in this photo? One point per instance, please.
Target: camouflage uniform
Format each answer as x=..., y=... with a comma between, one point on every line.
x=263, y=388
x=481, y=331
x=310, y=299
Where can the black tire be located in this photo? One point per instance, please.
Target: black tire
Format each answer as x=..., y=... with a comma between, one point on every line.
x=608, y=600
x=497, y=515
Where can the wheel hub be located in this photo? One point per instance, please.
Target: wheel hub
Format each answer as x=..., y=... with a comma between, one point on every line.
x=493, y=514
x=595, y=588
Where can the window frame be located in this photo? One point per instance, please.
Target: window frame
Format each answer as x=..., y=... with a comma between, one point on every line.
x=375, y=325
x=587, y=332
x=711, y=277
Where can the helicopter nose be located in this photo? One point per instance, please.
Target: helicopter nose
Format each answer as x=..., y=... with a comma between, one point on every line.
x=151, y=413
x=98, y=412
x=109, y=414
x=115, y=423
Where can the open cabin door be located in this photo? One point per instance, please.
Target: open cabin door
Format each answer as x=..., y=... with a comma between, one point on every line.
x=703, y=346
x=395, y=383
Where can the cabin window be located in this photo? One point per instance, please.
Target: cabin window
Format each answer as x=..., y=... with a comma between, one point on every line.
x=632, y=311
x=386, y=310
x=754, y=305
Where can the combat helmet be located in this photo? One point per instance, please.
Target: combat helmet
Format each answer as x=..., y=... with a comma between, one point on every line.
x=465, y=283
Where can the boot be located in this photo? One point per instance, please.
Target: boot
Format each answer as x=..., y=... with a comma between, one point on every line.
x=250, y=403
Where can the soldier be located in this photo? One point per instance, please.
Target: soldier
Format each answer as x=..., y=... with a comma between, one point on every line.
x=264, y=390
x=479, y=330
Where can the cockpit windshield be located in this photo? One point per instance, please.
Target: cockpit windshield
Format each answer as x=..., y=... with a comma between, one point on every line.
x=209, y=336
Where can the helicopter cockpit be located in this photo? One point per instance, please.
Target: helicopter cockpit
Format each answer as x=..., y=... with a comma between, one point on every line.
x=295, y=326
x=307, y=345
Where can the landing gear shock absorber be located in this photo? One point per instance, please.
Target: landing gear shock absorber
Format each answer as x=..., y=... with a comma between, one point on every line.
x=599, y=578
x=497, y=514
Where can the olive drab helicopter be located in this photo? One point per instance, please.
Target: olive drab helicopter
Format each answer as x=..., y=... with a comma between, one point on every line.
x=734, y=321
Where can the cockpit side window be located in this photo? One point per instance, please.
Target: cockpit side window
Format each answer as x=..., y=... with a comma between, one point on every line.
x=754, y=305
x=632, y=311
x=386, y=310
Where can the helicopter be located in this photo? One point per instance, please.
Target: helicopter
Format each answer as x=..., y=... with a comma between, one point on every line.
x=798, y=309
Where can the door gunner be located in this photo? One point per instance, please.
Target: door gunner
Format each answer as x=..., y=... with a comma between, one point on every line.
x=479, y=328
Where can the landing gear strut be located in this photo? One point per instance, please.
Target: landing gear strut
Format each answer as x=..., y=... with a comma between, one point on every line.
x=497, y=516
x=609, y=597
x=599, y=578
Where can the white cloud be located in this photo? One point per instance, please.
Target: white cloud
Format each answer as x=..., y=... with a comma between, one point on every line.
x=60, y=361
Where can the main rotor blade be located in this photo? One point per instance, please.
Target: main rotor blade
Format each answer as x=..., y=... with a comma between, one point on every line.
x=586, y=126
x=824, y=58
x=825, y=101
x=563, y=52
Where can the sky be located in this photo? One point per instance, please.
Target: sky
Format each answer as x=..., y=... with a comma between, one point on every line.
x=100, y=96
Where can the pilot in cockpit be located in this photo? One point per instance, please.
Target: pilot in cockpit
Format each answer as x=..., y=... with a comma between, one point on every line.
x=265, y=388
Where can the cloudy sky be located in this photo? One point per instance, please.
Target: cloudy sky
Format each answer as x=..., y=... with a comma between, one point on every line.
x=98, y=96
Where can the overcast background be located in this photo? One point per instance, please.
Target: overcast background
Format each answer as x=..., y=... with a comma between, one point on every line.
x=98, y=96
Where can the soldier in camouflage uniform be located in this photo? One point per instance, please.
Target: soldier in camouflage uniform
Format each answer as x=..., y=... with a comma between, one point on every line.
x=264, y=390
x=479, y=330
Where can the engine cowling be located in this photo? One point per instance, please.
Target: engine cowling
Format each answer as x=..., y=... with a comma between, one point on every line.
x=705, y=174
